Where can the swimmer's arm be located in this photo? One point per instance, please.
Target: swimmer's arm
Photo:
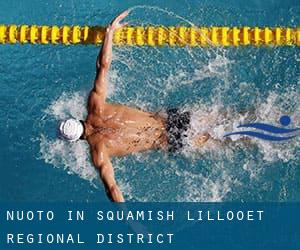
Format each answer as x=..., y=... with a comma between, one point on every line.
x=105, y=56
x=103, y=164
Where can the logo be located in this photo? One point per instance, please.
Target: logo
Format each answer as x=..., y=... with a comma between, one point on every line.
x=272, y=133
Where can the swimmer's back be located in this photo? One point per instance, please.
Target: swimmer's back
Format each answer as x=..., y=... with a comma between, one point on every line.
x=126, y=130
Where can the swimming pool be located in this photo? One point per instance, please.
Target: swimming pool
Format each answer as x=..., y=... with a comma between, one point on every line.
x=42, y=84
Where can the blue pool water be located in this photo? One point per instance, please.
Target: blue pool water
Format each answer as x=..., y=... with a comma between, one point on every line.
x=42, y=84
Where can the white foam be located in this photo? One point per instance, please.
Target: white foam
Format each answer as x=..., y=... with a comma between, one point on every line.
x=188, y=182
x=217, y=121
x=271, y=110
x=213, y=118
x=72, y=157
x=200, y=188
x=68, y=105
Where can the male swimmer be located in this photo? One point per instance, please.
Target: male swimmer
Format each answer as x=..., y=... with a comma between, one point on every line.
x=117, y=130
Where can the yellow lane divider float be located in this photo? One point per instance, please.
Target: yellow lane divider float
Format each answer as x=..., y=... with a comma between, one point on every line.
x=152, y=36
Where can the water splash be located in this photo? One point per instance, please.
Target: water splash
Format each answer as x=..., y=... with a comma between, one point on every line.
x=73, y=158
x=211, y=84
x=192, y=185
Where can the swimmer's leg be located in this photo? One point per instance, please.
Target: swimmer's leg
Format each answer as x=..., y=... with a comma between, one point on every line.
x=200, y=140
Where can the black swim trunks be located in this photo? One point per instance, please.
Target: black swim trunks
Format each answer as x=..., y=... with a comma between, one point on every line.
x=177, y=125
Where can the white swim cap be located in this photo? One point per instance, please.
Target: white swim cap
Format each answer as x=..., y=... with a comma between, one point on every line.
x=70, y=130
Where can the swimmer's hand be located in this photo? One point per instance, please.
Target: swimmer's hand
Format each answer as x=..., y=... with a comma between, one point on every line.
x=115, y=24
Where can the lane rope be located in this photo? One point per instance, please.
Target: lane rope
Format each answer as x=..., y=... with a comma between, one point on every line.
x=152, y=35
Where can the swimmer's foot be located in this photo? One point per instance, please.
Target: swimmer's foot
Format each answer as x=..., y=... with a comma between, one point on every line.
x=200, y=140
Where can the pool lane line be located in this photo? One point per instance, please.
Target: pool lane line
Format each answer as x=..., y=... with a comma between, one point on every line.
x=152, y=35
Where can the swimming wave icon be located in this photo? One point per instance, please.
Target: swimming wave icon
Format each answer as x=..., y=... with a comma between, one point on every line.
x=284, y=121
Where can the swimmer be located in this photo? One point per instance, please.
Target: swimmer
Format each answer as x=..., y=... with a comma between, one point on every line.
x=114, y=130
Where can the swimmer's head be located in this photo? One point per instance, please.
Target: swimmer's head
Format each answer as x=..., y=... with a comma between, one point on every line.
x=70, y=130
